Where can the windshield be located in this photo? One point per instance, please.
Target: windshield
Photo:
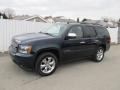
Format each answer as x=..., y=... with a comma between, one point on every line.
x=55, y=30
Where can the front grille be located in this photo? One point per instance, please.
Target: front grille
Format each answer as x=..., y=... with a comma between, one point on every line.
x=14, y=43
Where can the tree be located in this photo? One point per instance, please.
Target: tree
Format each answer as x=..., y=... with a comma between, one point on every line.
x=10, y=13
x=84, y=20
x=3, y=15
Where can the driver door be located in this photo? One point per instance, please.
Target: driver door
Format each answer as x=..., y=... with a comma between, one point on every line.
x=73, y=46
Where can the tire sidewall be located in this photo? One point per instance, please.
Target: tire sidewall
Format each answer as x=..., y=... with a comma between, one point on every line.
x=39, y=60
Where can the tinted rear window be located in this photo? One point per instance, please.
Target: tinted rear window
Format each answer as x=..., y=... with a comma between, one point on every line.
x=102, y=31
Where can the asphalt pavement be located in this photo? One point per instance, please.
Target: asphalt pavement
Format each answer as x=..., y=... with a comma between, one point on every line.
x=81, y=75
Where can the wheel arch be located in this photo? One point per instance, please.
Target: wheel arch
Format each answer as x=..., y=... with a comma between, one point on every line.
x=55, y=51
x=103, y=46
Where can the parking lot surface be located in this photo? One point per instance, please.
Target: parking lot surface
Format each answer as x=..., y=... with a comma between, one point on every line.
x=81, y=75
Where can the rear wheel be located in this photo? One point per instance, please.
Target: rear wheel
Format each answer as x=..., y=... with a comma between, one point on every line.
x=46, y=64
x=99, y=55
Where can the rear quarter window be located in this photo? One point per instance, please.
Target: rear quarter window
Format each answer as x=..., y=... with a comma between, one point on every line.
x=102, y=31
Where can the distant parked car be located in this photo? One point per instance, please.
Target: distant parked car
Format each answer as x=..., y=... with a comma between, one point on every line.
x=62, y=42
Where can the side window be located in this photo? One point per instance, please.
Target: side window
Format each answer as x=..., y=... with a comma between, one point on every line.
x=77, y=30
x=102, y=31
x=89, y=31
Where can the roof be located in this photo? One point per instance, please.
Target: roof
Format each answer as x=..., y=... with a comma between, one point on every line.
x=22, y=17
x=36, y=17
x=47, y=17
x=28, y=18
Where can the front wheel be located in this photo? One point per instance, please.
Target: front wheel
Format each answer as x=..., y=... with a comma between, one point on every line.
x=46, y=64
x=99, y=55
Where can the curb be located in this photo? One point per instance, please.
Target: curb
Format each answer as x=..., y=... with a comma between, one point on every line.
x=4, y=54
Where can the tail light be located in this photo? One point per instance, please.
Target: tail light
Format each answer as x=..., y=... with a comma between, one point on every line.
x=108, y=40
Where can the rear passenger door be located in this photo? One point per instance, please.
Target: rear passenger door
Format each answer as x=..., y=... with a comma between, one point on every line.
x=90, y=40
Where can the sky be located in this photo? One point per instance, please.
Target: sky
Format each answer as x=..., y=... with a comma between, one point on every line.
x=94, y=9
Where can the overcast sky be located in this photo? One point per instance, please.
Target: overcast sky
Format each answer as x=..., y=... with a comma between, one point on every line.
x=94, y=9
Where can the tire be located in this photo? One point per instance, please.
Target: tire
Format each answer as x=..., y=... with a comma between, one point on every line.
x=46, y=64
x=99, y=55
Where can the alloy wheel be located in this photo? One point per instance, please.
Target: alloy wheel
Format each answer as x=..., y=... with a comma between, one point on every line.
x=47, y=65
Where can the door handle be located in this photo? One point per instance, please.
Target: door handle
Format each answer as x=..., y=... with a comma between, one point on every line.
x=96, y=40
x=82, y=42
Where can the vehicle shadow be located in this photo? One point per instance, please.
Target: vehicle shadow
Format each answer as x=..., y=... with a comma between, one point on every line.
x=73, y=63
x=61, y=66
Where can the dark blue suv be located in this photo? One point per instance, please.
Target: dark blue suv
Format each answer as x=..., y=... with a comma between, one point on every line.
x=61, y=42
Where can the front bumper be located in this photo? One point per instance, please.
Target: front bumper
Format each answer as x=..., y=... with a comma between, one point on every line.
x=22, y=59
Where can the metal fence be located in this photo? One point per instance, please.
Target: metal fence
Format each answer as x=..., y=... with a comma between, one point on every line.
x=9, y=28
x=113, y=34
x=119, y=35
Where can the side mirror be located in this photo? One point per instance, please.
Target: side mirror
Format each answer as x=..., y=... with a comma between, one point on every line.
x=71, y=36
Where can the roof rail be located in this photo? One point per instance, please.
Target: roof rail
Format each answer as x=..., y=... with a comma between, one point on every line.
x=72, y=22
x=80, y=23
x=91, y=23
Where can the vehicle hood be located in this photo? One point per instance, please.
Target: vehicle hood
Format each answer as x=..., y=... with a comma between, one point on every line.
x=31, y=37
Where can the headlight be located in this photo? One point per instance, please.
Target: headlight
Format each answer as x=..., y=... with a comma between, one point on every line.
x=25, y=49
x=18, y=41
